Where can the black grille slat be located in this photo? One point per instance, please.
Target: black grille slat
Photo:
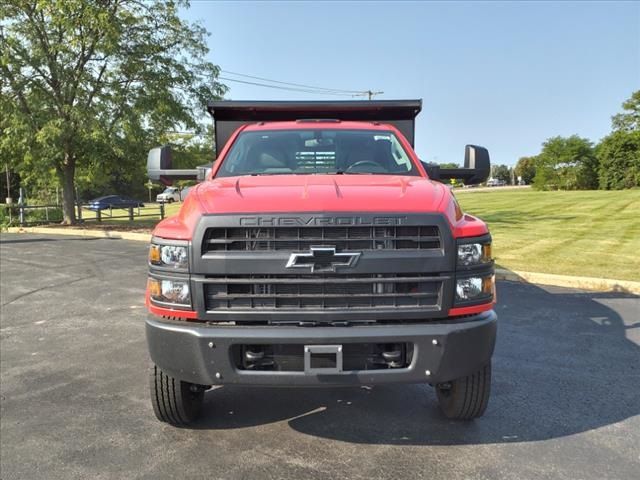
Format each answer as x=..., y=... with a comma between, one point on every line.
x=320, y=295
x=320, y=239
x=276, y=292
x=303, y=238
x=292, y=279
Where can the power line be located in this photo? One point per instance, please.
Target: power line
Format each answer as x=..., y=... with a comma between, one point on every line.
x=292, y=89
x=337, y=90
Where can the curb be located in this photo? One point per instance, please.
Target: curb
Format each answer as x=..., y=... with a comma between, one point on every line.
x=139, y=237
x=582, y=283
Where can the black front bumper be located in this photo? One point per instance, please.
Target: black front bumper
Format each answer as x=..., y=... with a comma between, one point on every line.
x=202, y=353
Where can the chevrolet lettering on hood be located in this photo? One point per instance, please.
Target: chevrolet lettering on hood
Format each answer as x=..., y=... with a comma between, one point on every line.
x=319, y=221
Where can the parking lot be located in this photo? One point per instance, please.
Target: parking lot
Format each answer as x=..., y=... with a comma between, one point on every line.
x=74, y=400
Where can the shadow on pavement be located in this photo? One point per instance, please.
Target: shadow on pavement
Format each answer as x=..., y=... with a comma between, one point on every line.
x=563, y=365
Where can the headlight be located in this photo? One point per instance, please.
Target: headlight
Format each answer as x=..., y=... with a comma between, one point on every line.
x=175, y=292
x=173, y=256
x=470, y=254
x=474, y=288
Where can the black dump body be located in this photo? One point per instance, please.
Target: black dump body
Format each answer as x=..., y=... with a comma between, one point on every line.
x=230, y=115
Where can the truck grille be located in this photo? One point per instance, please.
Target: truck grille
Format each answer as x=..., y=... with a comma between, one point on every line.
x=294, y=292
x=343, y=238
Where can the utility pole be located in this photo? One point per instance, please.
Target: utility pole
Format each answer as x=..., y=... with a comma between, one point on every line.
x=149, y=186
x=371, y=94
x=8, y=183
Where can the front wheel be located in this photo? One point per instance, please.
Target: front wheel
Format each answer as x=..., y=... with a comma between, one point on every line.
x=174, y=401
x=465, y=398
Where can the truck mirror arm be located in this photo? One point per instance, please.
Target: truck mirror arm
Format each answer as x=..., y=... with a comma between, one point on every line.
x=159, y=169
x=477, y=167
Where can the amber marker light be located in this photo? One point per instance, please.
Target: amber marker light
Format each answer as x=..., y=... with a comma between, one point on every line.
x=154, y=255
x=488, y=285
x=153, y=287
x=486, y=252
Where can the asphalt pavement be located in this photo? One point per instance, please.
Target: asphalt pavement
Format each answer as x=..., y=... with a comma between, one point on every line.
x=74, y=395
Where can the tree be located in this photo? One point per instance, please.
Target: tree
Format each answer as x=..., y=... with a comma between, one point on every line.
x=628, y=121
x=619, y=152
x=501, y=172
x=526, y=169
x=619, y=155
x=566, y=164
x=89, y=85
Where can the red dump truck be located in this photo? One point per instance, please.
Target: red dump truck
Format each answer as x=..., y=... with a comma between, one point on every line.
x=319, y=250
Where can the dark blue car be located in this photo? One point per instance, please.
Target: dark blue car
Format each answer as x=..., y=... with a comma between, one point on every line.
x=113, y=201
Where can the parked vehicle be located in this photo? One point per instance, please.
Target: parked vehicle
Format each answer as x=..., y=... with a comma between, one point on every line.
x=170, y=195
x=320, y=251
x=494, y=182
x=113, y=201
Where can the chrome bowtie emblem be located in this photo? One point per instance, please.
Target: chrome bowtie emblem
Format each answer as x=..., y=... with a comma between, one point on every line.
x=323, y=259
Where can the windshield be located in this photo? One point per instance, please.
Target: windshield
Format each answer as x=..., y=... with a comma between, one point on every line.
x=282, y=152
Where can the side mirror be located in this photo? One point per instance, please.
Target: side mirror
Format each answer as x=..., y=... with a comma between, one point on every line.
x=159, y=167
x=203, y=172
x=477, y=167
x=158, y=160
x=477, y=159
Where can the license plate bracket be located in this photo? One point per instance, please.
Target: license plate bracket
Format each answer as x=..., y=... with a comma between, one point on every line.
x=322, y=359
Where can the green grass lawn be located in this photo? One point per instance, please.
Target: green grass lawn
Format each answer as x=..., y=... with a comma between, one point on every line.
x=585, y=233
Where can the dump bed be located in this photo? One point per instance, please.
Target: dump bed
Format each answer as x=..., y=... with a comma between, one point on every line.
x=230, y=115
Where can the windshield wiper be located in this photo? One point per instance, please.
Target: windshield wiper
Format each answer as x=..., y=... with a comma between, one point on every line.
x=344, y=172
x=339, y=172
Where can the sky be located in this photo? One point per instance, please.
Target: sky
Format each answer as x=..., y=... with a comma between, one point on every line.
x=503, y=75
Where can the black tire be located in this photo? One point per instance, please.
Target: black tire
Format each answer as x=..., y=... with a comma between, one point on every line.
x=466, y=398
x=174, y=401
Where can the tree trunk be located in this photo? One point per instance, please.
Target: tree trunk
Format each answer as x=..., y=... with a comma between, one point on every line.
x=67, y=174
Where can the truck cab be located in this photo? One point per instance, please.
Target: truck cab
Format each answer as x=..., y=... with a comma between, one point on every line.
x=320, y=251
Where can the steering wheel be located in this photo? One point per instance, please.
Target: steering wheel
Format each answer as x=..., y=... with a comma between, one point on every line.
x=370, y=163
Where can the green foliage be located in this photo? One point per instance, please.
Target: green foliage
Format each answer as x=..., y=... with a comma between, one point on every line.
x=526, y=169
x=566, y=164
x=619, y=152
x=619, y=156
x=501, y=172
x=4, y=217
x=574, y=164
x=88, y=86
x=31, y=215
x=629, y=120
x=37, y=215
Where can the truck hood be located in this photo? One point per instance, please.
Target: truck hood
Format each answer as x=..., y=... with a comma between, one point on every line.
x=317, y=193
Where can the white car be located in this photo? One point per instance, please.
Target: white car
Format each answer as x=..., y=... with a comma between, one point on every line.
x=170, y=195
x=494, y=182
